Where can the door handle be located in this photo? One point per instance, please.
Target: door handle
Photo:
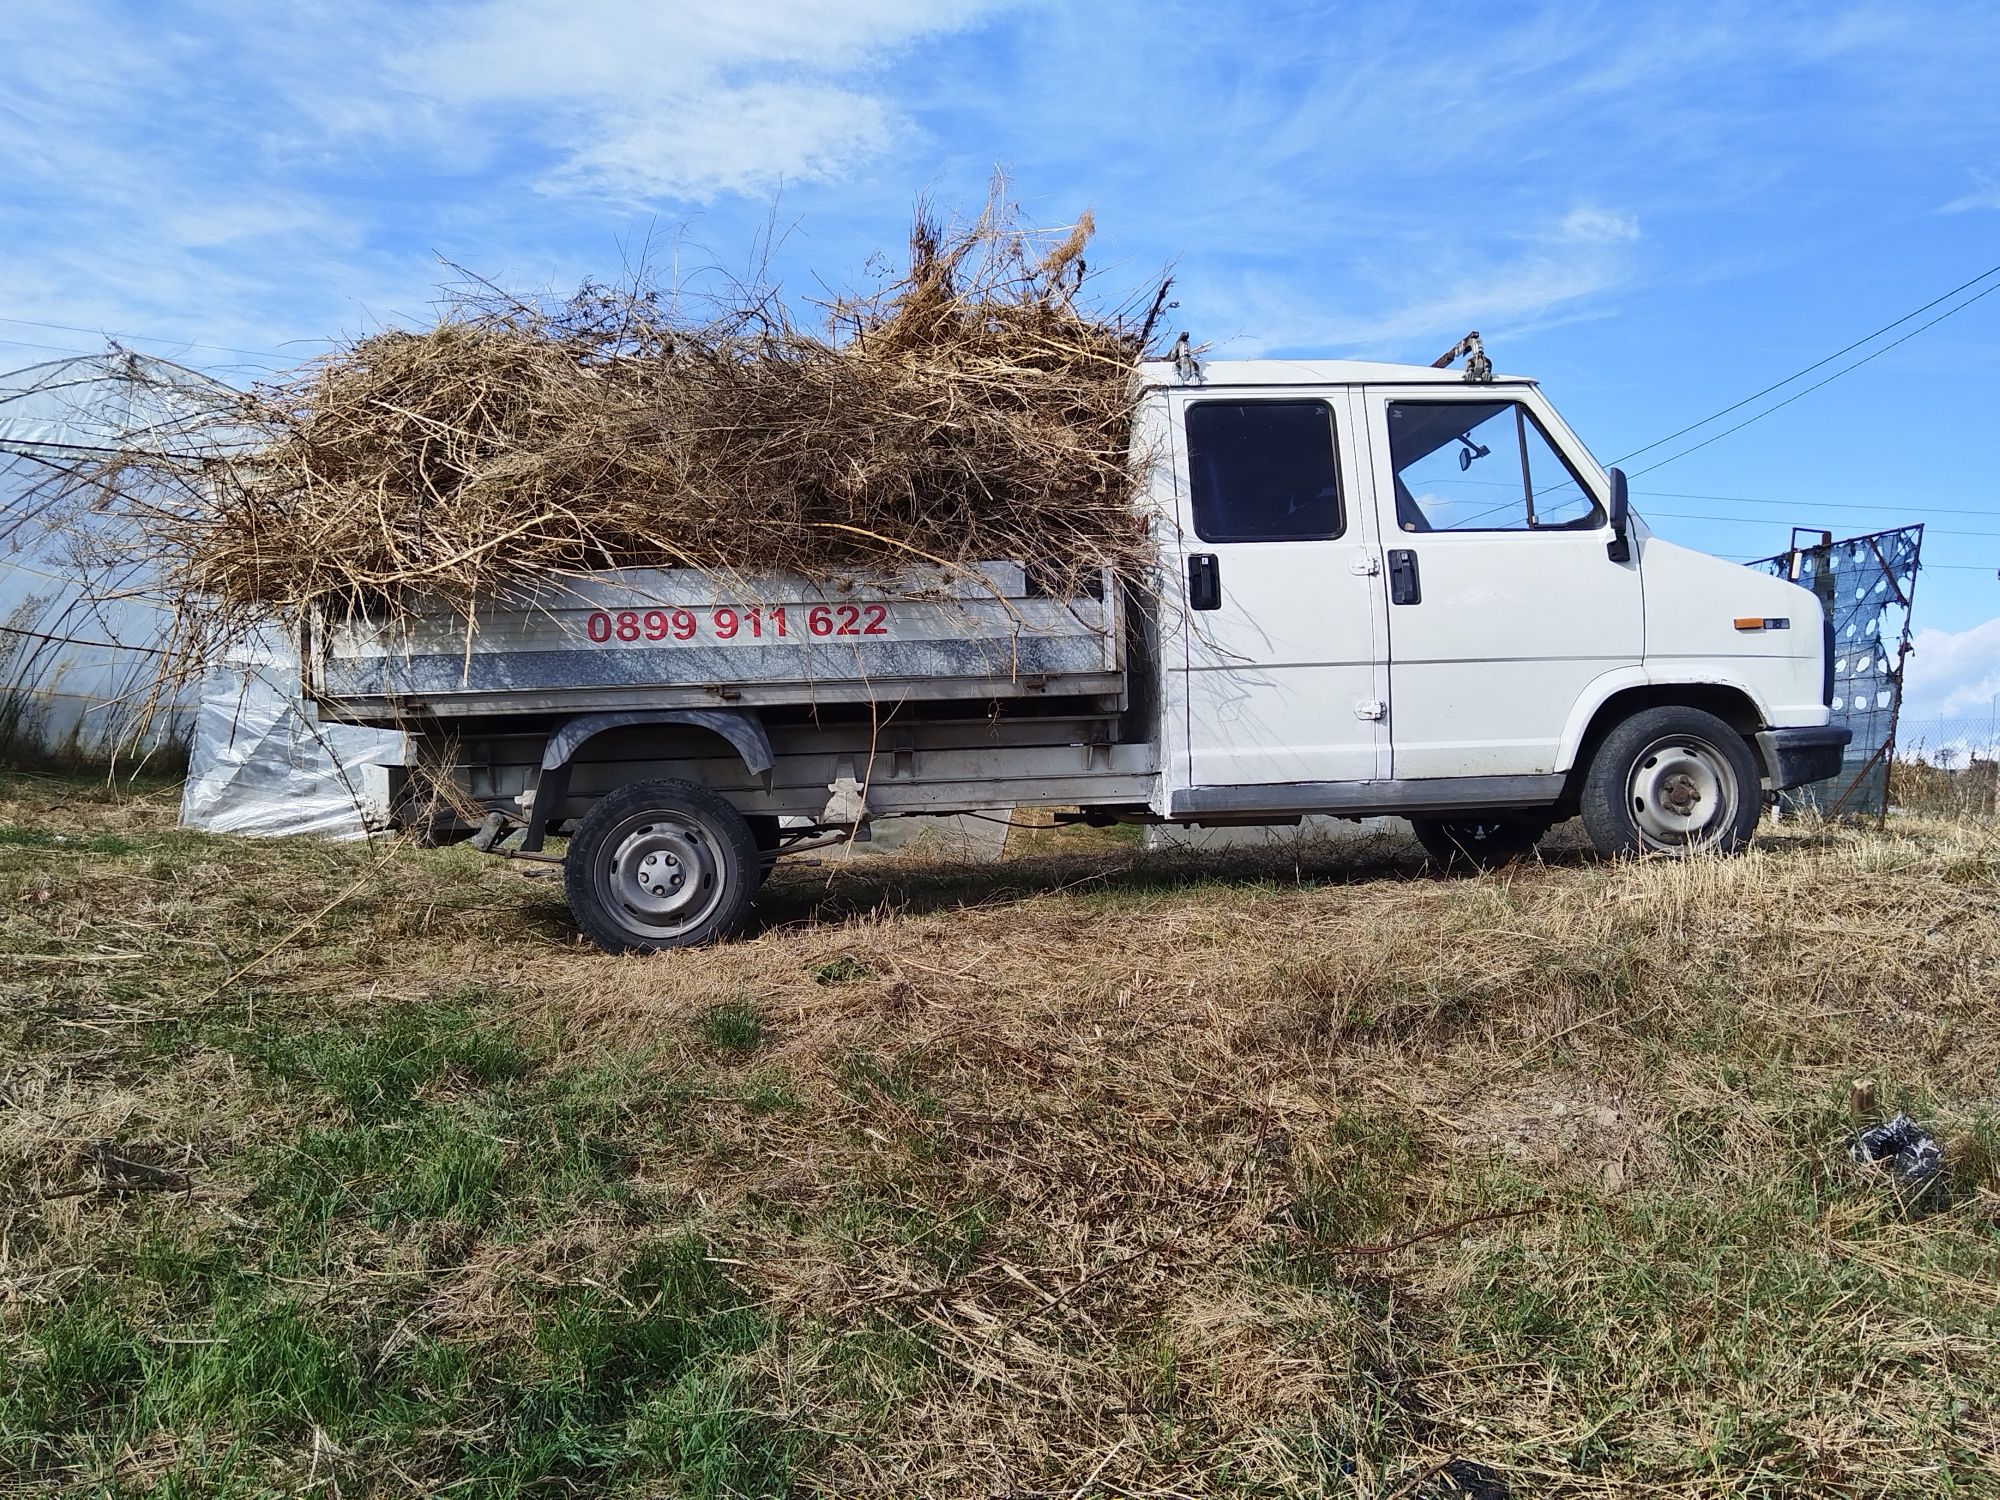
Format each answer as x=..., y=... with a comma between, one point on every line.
x=1404, y=585
x=1204, y=581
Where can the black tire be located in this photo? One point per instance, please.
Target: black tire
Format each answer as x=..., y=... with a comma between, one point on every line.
x=1672, y=781
x=660, y=864
x=1479, y=841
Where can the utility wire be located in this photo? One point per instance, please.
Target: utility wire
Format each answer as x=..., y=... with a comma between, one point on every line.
x=1843, y=370
x=52, y=348
x=1816, y=364
x=1903, y=510
x=1685, y=515
x=138, y=338
x=1927, y=566
x=1988, y=512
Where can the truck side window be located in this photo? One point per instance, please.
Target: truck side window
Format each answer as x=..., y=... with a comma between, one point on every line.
x=1264, y=471
x=1482, y=466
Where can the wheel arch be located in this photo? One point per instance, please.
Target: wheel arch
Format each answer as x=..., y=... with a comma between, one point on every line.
x=1731, y=702
x=741, y=729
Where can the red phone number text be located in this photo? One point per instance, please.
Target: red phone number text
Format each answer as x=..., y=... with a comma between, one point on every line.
x=775, y=622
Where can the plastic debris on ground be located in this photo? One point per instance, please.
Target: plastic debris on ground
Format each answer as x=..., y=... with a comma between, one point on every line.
x=1462, y=1479
x=1914, y=1159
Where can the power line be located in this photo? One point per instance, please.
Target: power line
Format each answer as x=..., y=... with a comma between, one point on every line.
x=1816, y=364
x=52, y=348
x=1992, y=567
x=1904, y=510
x=1989, y=513
x=75, y=353
x=1844, y=370
x=1684, y=515
x=140, y=338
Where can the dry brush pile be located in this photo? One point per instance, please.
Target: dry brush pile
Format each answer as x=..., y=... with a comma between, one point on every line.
x=976, y=407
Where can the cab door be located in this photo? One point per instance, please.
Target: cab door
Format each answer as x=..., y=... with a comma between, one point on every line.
x=1503, y=602
x=1280, y=576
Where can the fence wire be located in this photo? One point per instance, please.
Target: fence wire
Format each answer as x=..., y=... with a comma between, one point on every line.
x=1866, y=586
x=1950, y=744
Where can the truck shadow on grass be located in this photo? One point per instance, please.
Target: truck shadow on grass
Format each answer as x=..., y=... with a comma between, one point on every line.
x=804, y=896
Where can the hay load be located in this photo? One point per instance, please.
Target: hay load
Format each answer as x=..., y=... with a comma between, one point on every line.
x=975, y=407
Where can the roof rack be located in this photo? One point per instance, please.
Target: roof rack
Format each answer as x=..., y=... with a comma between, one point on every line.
x=1478, y=368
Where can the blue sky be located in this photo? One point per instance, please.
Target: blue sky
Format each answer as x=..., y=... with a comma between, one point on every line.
x=1656, y=210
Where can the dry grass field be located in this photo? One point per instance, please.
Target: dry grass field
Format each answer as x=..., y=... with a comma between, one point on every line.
x=339, y=1171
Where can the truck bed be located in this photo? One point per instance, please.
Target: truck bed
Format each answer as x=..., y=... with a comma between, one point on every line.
x=674, y=637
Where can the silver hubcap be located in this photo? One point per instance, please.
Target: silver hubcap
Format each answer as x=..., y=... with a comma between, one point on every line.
x=1682, y=793
x=663, y=871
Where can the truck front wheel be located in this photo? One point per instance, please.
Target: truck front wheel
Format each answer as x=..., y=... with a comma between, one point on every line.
x=660, y=864
x=1672, y=781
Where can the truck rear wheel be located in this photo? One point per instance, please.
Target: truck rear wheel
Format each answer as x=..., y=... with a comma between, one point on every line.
x=660, y=864
x=1479, y=841
x=1672, y=781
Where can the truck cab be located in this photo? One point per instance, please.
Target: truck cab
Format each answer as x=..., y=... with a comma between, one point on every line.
x=1405, y=589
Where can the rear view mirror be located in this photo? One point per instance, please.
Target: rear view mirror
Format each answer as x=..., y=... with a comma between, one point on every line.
x=1619, y=548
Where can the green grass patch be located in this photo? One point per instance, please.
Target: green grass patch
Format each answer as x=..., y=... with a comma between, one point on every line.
x=646, y=1376
x=731, y=1027
x=439, y=1167
x=445, y=1117
x=867, y=1076
x=842, y=970
x=375, y=1073
x=649, y=1370
x=771, y=1094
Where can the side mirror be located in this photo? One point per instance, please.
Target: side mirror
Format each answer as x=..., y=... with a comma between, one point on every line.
x=1619, y=548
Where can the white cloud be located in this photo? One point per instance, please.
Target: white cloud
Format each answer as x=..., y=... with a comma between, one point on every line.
x=687, y=101
x=1440, y=288
x=1599, y=225
x=248, y=177
x=1984, y=193
x=552, y=50
x=1953, y=673
x=728, y=140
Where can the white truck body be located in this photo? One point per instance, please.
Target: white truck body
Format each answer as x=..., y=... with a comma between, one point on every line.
x=1339, y=623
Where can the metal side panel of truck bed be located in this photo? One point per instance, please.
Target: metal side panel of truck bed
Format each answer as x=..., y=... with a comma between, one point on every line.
x=676, y=637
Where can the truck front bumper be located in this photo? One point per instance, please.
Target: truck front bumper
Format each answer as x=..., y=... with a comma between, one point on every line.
x=1793, y=757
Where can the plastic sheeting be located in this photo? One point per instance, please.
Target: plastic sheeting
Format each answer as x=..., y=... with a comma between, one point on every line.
x=80, y=675
x=96, y=405
x=80, y=656
x=262, y=764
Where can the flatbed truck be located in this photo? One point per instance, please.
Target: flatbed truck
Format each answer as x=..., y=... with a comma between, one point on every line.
x=1378, y=590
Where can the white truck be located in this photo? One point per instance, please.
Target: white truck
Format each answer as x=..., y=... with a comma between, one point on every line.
x=1380, y=589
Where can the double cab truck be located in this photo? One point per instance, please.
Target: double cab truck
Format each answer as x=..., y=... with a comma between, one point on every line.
x=1380, y=590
